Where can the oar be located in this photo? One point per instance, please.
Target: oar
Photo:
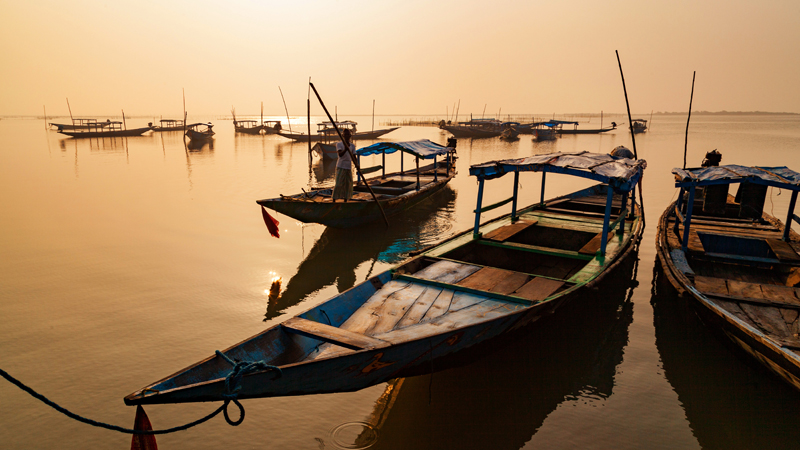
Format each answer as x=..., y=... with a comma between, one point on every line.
x=352, y=156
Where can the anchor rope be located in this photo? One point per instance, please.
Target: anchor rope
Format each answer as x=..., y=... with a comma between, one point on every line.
x=232, y=387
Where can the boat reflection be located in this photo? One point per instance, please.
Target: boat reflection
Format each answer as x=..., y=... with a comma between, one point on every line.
x=324, y=170
x=338, y=252
x=730, y=401
x=503, y=390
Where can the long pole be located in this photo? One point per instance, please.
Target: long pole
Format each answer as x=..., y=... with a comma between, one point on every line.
x=686, y=140
x=70, y=112
x=308, y=119
x=123, y=120
x=352, y=157
x=633, y=138
x=45, y=117
x=183, y=90
x=373, y=114
x=286, y=109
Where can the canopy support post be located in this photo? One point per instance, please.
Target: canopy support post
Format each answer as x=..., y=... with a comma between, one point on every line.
x=621, y=228
x=543, y=180
x=383, y=168
x=678, y=206
x=475, y=234
x=606, y=221
x=401, y=163
x=687, y=220
x=787, y=226
x=358, y=181
x=417, y=159
x=435, y=169
x=514, y=217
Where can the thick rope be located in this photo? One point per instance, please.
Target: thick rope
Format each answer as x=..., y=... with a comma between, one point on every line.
x=232, y=387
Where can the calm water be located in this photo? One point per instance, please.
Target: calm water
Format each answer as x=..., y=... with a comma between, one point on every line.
x=125, y=260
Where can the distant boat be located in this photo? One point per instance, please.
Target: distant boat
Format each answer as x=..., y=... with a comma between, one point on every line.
x=106, y=129
x=510, y=132
x=575, y=130
x=544, y=131
x=81, y=124
x=199, y=132
x=638, y=125
x=475, y=128
x=247, y=126
x=480, y=284
x=169, y=125
x=737, y=264
x=327, y=133
x=396, y=192
x=271, y=126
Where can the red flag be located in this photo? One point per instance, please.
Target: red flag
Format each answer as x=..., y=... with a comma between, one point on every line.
x=272, y=224
x=142, y=423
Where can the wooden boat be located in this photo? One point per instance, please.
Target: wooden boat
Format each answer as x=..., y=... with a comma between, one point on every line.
x=271, y=126
x=326, y=132
x=80, y=124
x=510, y=132
x=499, y=276
x=544, y=131
x=199, y=132
x=247, y=126
x=396, y=192
x=738, y=264
x=475, y=128
x=107, y=129
x=325, y=151
x=638, y=125
x=170, y=125
x=575, y=129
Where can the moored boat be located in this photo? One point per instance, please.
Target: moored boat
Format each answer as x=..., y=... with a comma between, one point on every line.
x=498, y=276
x=80, y=124
x=396, y=192
x=247, y=126
x=576, y=130
x=475, y=128
x=106, y=129
x=327, y=133
x=199, y=132
x=737, y=264
x=170, y=125
x=638, y=125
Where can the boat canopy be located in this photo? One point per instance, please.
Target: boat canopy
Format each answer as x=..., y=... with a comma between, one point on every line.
x=620, y=173
x=422, y=148
x=209, y=125
x=780, y=177
x=561, y=122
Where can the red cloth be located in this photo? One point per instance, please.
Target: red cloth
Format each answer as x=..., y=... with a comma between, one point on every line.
x=272, y=224
x=142, y=423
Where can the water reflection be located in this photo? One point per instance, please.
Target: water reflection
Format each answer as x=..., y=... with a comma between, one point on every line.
x=338, y=252
x=517, y=381
x=324, y=170
x=730, y=401
x=200, y=146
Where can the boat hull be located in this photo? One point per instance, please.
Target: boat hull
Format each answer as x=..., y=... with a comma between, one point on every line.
x=588, y=131
x=328, y=137
x=470, y=132
x=117, y=133
x=777, y=357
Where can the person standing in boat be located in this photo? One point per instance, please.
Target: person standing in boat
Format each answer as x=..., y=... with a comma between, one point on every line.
x=344, y=169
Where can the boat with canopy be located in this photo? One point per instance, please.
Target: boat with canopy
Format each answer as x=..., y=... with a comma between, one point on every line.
x=396, y=191
x=502, y=274
x=736, y=263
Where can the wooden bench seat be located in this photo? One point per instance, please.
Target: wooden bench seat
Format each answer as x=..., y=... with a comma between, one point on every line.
x=327, y=333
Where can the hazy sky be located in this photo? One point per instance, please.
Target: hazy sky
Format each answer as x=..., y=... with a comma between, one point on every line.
x=411, y=57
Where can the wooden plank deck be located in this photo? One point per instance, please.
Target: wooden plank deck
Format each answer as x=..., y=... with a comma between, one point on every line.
x=783, y=250
x=507, y=231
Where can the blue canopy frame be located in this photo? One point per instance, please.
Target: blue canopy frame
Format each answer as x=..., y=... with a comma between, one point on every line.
x=620, y=174
x=689, y=179
x=421, y=149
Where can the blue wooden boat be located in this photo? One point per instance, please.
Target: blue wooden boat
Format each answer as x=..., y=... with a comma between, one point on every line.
x=738, y=264
x=498, y=276
x=396, y=192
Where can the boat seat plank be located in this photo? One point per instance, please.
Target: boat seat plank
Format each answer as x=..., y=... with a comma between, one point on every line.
x=745, y=290
x=695, y=244
x=783, y=250
x=462, y=300
x=386, y=316
x=752, y=293
x=538, y=289
x=420, y=307
x=711, y=285
x=593, y=246
x=486, y=278
x=447, y=272
x=506, y=232
x=331, y=334
x=511, y=283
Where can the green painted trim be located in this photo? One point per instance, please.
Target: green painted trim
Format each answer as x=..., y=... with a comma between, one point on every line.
x=537, y=249
x=495, y=205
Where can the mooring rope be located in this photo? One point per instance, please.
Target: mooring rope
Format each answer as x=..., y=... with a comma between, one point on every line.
x=232, y=387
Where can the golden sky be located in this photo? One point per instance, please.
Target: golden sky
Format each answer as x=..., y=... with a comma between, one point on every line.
x=410, y=56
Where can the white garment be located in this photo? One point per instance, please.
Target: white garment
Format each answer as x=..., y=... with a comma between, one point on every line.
x=345, y=162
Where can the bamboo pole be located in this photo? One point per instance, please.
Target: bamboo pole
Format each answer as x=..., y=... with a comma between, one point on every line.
x=70, y=112
x=45, y=117
x=288, y=121
x=352, y=157
x=686, y=140
x=373, y=114
x=630, y=125
x=123, y=120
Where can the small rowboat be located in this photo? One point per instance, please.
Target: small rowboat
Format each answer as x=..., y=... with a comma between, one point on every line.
x=396, y=192
x=475, y=128
x=170, y=125
x=80, y=124
x=106, y=129
x=496, y=277
x=199, y=132
x=738, y=265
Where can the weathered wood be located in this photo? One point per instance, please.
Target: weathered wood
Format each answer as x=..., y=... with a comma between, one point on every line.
x=744, y=290
x=695, y=244
x=593, y=246
x=363, y=318
x=783, y=250
x=394, y=308
x=768, y=319
x=485, y=279
x=511, y=283
x=779, y=293
x=463, y=300
x=418, y=310
x=331, y=334
x=711, y=285
x=440, y=305
x=447, y=271
x=506, y=232
x=538, y=289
